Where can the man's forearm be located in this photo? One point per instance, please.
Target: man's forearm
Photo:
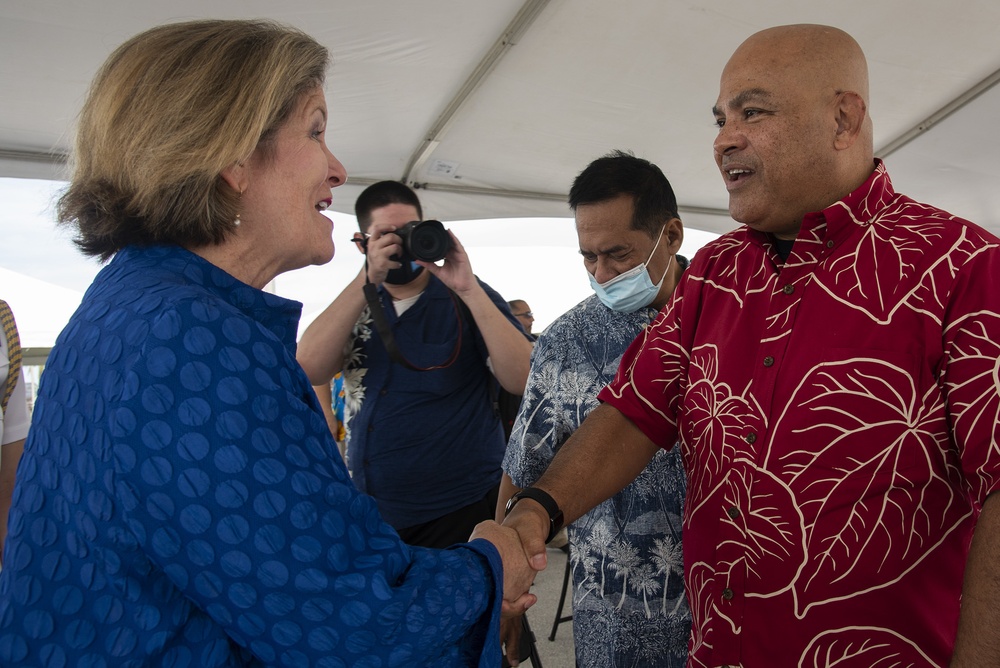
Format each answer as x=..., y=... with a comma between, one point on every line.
x=509, y=350
x=507, y=490
x=978, y=641
x=604, y=455
x=321, y=349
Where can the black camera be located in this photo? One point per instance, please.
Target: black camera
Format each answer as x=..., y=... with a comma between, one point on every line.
x=425, y=240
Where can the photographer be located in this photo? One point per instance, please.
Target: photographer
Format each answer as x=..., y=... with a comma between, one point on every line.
x=423, y=434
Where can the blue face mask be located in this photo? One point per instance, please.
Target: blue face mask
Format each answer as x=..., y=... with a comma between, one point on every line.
x=631, y=290
x=403, y=275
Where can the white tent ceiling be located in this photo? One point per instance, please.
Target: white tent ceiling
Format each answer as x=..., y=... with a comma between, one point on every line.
x=495, y=105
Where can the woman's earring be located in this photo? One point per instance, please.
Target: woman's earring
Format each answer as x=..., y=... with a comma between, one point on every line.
x=238, y=201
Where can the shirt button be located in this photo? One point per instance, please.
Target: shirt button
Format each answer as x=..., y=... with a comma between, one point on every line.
x=727, y=594
x=384, y=392
x=788, y=289
x=733, y=512
x=829, y=244
x=371, y=428
x=768, y=361
x=751, y=438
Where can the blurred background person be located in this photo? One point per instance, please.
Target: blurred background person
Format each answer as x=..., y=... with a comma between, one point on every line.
x=180, y=499
x=13, y=413
x=520, y=310
x=629, y=607
x=424, y=435
x=331, y=398
x=508, y=403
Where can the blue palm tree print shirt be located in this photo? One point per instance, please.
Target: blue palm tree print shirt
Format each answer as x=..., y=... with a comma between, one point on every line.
x=629, y=607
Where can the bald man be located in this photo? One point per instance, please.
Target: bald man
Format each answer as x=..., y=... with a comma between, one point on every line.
x=830, y=371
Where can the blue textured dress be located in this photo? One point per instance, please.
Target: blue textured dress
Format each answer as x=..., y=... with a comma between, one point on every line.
x=181, y=502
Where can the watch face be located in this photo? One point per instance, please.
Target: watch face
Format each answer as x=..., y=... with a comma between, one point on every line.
x=511, y=502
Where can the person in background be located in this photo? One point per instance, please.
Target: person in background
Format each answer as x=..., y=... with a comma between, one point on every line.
x=520, y=310
x=424, y=438
x=628, y=594
x=14, y=418
x=331, y=398
x=180, y=500
x=508, y=403
x=830, y=370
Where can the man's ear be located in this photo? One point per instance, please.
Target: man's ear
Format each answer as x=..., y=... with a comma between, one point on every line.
x=674, y=234
x=235, y=176
x=851, y=111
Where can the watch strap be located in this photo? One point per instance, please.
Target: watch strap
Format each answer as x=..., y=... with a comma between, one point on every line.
x=545, y=501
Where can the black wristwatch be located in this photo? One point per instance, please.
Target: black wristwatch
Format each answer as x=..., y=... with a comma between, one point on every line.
x=546, y=501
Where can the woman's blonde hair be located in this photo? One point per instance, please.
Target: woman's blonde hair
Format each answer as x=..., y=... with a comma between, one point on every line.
x=166, y=114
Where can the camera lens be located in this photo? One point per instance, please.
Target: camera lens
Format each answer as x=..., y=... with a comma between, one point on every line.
x=428, y=241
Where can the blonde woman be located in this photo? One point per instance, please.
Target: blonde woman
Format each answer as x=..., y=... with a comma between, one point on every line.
x=181, y=501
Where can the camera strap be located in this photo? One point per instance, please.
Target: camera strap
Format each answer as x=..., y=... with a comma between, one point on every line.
x=389, y=339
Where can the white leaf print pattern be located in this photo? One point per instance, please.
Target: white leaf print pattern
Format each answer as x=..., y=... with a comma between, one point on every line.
x=889, y=270
x=754, y=276
x=774, y=540
x=863, y=646
x=887, y=484
x=699, y=583
x=973, y=383
x=715, y=415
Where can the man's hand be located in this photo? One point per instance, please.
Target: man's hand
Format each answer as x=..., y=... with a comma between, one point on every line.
x=383, y=243
x=456, y=272
x=510, y=639
x=518, y=575
x=531, y=522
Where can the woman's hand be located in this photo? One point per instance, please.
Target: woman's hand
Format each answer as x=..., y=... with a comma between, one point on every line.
x=518, y=575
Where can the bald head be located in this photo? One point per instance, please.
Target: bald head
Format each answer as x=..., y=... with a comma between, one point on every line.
x=794, y=135
x=817, y=57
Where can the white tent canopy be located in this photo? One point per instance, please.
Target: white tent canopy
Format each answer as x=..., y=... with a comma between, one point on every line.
x=493, y=107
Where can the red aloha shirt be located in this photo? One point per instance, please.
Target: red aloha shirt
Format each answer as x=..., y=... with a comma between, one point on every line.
x=839, y=417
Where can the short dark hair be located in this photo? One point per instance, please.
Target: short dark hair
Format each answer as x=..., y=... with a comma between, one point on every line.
x=382, y=194
x=619, y=173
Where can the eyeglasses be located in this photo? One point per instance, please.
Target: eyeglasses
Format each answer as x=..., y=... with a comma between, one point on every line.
x=526, y=314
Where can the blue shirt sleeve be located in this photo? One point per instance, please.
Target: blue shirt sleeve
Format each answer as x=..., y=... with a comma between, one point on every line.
x=265, y=531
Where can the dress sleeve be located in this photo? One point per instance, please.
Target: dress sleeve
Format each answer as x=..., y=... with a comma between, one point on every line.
x=233, y=488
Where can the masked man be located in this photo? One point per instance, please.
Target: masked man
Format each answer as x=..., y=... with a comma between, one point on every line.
x=628, y=595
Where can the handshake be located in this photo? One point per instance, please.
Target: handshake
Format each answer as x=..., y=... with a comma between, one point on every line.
x=520, y=540
x=521, y=544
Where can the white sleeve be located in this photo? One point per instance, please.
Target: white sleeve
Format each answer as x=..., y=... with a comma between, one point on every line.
x=14, y=424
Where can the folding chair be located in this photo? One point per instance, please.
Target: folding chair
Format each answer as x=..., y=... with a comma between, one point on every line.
x=560, y=618
x=528, y=651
